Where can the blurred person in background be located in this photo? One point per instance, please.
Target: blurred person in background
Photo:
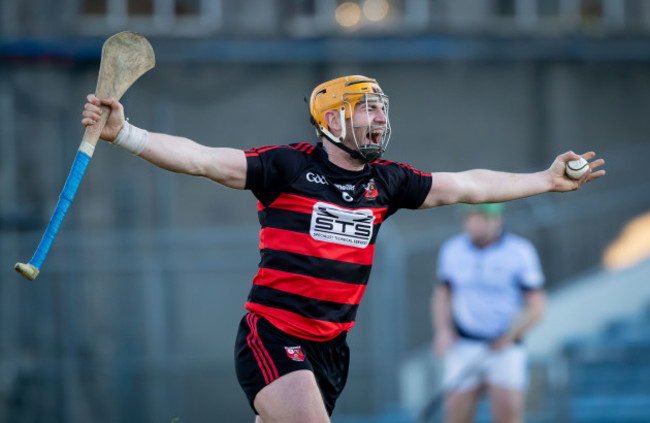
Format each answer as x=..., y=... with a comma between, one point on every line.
x=320, y=207
x=490, y=292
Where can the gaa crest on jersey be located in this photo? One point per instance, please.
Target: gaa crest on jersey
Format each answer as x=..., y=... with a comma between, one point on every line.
x=330, y=223
x=295, y=353
x=316, y=178
x=371, y=190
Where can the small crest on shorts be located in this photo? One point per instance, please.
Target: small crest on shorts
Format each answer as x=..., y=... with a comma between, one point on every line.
x=295, y=353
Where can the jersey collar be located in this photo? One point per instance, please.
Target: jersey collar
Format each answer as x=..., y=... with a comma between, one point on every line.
x=322, y=154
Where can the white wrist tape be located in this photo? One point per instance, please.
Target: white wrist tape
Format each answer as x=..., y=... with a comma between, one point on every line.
x=131, y=138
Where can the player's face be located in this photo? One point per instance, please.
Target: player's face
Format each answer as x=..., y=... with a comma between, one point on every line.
x=368, y=124
x=483, y=229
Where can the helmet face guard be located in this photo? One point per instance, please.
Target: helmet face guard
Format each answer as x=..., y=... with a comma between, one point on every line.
x=343, y=94
x=371, y=151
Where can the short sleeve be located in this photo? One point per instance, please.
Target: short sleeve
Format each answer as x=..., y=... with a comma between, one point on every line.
x=271, y=168
x=531, y=274
x=409, y=187
x=417, y=187
x=443, y=272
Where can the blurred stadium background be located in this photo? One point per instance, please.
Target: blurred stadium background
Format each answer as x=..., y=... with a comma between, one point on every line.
x=134, y=315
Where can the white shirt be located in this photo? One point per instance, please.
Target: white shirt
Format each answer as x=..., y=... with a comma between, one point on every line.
x=487, y=284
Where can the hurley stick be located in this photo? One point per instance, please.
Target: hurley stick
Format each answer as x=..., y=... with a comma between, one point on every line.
x=125, y=57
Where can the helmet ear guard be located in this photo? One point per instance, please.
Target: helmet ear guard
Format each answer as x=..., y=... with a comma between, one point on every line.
x=324, y=128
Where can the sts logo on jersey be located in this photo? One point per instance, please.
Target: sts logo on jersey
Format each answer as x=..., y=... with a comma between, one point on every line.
x=333, y=224
x=295, y=353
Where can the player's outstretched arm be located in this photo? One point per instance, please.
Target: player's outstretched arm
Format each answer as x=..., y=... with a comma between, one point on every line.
x=488, y=186
x=226, y=166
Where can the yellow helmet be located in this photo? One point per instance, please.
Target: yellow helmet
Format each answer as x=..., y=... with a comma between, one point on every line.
x=343, y=94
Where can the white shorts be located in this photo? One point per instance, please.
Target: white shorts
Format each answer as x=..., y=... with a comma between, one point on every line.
x=506, y=368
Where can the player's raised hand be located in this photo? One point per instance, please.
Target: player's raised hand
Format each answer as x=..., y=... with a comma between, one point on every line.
x=92, y=112
x=562, y=182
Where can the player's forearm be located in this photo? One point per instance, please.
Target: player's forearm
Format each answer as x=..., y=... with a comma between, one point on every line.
x=529, y=315
x=522, y=324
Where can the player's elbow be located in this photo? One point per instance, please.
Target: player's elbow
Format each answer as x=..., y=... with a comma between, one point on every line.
x=194, y=167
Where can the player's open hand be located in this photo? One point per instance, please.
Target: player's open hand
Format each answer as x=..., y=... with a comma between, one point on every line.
x=92, y=114
x=562, y=182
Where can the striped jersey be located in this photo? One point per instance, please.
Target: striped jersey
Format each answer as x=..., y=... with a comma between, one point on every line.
x=319, y=224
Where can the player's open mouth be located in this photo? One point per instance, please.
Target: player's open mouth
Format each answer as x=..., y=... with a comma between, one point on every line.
x=374, y=137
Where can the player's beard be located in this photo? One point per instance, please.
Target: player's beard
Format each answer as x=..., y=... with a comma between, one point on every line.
x=367, y=140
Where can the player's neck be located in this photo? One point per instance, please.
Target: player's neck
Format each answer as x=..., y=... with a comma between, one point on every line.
x=341, y=158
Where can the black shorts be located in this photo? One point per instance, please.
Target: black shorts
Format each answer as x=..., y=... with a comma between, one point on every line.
x=263, y=353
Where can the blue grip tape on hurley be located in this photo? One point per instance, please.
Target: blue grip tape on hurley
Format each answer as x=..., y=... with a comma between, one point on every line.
x=79, y=166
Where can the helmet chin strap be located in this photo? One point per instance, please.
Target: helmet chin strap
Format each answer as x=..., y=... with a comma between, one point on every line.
x=355, y=154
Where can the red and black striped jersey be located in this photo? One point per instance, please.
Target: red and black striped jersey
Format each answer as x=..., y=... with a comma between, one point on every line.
x=319, y=224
